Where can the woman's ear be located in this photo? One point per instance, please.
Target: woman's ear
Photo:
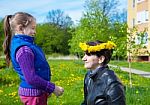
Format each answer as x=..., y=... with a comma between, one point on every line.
x=101, y=59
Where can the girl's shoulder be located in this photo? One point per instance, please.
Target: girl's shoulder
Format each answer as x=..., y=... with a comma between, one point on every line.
x=23, y=50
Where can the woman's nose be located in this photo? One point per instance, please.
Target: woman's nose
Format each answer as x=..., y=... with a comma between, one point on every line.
x=84, y=58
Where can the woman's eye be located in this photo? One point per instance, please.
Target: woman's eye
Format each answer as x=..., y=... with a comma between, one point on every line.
x=88, y=54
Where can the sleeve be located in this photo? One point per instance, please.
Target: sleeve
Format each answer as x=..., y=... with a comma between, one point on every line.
x=85, y=94
x=85, y=91
x=25, y=58
x=115, y=94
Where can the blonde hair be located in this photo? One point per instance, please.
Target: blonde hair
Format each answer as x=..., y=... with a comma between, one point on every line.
x=10, y=24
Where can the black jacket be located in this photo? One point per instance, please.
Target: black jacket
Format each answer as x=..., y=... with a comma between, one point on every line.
x=103, y=88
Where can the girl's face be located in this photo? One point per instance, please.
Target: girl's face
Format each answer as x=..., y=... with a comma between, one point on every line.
x=30, y=29
x=91, y=61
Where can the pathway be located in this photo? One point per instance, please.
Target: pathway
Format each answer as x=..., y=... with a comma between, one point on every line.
x=135, y=71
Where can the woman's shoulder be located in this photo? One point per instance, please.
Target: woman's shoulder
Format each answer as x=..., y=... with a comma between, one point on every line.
x=110, y=76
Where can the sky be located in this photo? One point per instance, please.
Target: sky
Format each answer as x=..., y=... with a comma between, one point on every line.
x=40, y=8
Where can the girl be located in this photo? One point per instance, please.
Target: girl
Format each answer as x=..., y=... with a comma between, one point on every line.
x=28, y=59
x=101, y=85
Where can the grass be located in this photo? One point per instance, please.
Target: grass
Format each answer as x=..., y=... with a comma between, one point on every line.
x=70, y=75
x=144, y=66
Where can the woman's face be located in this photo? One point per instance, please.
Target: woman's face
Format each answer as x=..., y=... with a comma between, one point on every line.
x=90, y=61
x=30, y=29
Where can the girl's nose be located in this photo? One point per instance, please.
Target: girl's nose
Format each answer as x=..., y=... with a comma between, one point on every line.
x=34, y=32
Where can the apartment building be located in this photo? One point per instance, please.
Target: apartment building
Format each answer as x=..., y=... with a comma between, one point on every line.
x=138, y=15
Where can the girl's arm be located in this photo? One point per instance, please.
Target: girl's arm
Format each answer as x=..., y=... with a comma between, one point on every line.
x=25, y=58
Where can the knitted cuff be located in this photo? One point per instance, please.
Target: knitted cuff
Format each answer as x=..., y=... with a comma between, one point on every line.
x=50, y=87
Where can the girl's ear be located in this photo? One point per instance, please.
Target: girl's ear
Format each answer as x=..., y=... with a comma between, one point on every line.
x=101, y=59
x=20, y=27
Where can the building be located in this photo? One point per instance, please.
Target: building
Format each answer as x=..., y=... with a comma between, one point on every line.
x=138, y=15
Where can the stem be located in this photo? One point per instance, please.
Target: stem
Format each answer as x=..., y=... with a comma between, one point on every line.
x=57, y=100
x=130, y=74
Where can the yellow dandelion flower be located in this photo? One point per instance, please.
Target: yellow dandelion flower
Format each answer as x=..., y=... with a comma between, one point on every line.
x=1, y=91
x=99, y=47
x=83, y=46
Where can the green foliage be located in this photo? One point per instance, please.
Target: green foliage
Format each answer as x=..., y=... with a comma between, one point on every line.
x=135, y=46
x=96, y=25
x=53, y=35
x=70, y=75
x=119, y=37
x=2, y=63
x=93, y=26
x=144, y=66
x=108, y=7
x=139, y=93
x=137, y=43
x=52, y=38
x=1, y=35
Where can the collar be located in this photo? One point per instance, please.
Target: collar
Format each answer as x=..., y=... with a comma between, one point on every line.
x=25, y=37
x=98, y=72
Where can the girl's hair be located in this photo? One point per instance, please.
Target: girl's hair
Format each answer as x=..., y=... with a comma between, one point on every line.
x=107, y=53
x=10, y=24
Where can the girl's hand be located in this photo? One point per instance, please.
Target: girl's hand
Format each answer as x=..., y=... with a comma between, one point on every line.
x=49, y=95
x=58, y=91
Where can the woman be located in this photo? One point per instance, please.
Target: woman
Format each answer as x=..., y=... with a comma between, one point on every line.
x=101, y=85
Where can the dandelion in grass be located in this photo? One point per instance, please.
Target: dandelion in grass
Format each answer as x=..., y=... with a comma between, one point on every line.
x=1, y=91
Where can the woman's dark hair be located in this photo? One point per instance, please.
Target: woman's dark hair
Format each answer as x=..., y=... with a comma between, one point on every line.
x=107, y=53
x=10, y=24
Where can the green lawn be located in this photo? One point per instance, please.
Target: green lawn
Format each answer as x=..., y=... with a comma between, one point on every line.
x=144, y=66
x=70, y=74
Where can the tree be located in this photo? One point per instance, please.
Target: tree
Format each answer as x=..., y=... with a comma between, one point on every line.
x=119, y=37
x=107, y=7
x=52, y=39
x=119, y=16
x=57, y=17
x=53, y=36
x=136, y=46
x=136, y=43
x=94, y=25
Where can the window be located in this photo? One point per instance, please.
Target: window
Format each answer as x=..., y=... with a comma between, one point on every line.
x=146, y=15
x=142, y=39
x=142, y=17
x=138, y=40
x=139, y=1
x=133, y=22
x=133, y=3
x=145, y=39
